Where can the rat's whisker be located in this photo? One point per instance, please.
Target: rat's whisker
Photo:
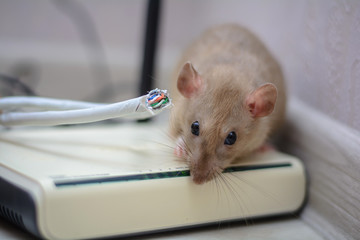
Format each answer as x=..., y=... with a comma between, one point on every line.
x=186, y=147
x=236, y=189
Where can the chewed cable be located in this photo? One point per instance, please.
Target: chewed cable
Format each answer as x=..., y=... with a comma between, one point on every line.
x=51, y=112
x=157, y=99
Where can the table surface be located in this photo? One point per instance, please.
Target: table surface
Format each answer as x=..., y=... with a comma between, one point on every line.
x=276, y=229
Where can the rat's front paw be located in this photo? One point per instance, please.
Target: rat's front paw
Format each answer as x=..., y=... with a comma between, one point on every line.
x=266, y=147
x=179, y=150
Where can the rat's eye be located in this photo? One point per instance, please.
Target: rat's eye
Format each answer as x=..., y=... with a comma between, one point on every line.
x=195, y=128
x=230, y=139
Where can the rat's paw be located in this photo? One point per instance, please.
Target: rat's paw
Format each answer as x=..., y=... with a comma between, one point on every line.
x=179, y=150
x=266, y=147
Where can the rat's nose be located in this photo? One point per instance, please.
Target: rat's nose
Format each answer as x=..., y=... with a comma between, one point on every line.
x=198, y=180
x=201, y=177
x=202, y=168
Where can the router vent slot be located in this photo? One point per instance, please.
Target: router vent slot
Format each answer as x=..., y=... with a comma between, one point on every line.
x=11, y=216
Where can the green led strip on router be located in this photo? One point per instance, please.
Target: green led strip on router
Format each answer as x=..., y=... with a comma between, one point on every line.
x=162, y=175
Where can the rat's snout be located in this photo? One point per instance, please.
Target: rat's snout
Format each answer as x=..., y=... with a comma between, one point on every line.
x=202, y=164
x=202, y=170
x=199, y=179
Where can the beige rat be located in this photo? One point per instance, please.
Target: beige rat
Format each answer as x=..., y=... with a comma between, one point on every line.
x=229, y=97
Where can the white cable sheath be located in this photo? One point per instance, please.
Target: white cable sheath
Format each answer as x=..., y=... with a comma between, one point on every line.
x=82, y=112
x=41, y=103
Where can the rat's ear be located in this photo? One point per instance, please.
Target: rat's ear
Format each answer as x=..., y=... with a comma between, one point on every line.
x=261, y=102
x=189, y=81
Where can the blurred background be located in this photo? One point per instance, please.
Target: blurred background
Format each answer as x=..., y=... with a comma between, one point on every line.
x=92, y=49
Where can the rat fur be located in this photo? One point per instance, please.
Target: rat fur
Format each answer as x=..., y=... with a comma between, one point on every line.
x=230, y=84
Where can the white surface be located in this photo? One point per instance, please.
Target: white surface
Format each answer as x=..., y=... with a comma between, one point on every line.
x=277, y=229
x=331, y=154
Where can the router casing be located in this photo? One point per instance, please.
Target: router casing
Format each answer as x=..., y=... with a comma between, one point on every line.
x=77, y=183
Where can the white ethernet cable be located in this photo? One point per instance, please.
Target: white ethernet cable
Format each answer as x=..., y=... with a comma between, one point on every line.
x=44, y=104
x=75, y=112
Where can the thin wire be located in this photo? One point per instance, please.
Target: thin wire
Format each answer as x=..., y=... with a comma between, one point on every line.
x=15, y=83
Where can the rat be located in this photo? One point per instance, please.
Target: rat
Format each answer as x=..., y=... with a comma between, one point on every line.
x=229, y=98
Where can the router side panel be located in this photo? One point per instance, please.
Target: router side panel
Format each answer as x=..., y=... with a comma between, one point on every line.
x=19, y=201
x=96, y=210
x=17, y=206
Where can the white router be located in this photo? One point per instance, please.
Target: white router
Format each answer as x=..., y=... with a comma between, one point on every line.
x=103, y=181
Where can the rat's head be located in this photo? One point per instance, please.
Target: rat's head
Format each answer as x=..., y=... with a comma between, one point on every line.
x=219, y=121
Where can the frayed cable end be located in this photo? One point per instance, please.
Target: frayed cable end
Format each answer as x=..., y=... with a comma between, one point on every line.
x=158, y=99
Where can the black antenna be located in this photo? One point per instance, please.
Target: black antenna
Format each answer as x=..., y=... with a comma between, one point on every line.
x=149, y=57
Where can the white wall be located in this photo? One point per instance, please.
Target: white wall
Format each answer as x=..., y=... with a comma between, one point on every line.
x=317, y=43
x=41, y=34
